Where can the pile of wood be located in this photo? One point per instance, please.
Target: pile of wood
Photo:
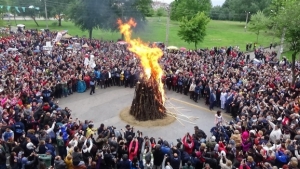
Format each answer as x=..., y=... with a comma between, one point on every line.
x=147, y=103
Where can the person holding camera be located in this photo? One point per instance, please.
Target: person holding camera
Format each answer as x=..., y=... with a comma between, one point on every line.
x=224, y=162
x=133, y=148
x=188, y=143
x=168, y=166
x=146, y=154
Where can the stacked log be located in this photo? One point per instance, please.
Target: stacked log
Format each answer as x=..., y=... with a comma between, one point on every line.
x=147, y=103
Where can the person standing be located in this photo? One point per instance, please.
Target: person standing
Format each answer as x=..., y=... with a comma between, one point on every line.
x=179, y=84
x=192, y=90
x=218, y=118
x=212, y=99
x=92, y=85
x=197, y=92
x=223, y=99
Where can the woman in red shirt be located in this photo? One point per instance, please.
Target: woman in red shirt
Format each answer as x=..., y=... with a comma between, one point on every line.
x=133, y=148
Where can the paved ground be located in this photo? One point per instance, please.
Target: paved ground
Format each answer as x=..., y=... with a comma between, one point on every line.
x=105, y=105
x=252, y=55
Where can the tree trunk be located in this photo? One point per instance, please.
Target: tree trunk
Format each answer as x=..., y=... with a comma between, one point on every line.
x=90, y=33
x=257, y=38
x=59, y=21
x=122, y=36
x=195, y=45
x=33, y=17
x=15, y=18
x=293, y=68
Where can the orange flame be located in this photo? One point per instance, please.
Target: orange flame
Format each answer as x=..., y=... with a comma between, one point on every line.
x=148, y=56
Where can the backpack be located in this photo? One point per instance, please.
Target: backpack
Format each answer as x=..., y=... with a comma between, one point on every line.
x=60, y=142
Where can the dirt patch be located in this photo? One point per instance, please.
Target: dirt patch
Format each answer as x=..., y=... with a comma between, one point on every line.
x=128, y=118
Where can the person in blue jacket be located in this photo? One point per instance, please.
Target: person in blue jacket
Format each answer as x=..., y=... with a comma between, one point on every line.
x=282, y=157
x=18, y=128
x=165, y=149
x=8, y=134
x=97, y=76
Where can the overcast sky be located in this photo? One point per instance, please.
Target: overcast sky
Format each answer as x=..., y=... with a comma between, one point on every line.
x=214, y=2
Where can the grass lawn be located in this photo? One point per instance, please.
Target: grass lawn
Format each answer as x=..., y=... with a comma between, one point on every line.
x=288, y=55
x=219, y=33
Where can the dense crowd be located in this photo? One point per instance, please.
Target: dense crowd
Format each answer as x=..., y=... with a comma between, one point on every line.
x=38, y=133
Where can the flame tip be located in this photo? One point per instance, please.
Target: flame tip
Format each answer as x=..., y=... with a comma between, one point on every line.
x=148, y=56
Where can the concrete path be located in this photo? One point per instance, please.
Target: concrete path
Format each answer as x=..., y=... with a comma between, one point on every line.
x=252, y=55
x=105, y=105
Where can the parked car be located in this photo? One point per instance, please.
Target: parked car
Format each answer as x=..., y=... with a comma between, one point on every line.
x=8, y=15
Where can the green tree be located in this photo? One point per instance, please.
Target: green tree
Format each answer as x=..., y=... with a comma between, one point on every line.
x=214, y=12
x=91, y=14
x=34, y=10
x=236, y=9
x=161, y=12
x=258, y=23
x=189, y=8
x=56, y=8
x=288, y=21
x=126, y=9
x=193, y=30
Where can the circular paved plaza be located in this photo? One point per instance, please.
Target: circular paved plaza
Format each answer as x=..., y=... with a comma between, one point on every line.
x=105, y=105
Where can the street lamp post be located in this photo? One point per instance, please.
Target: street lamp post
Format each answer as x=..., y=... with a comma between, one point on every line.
x=167, y=26
x=247, y=15
x=46, y=14
x=274, y=28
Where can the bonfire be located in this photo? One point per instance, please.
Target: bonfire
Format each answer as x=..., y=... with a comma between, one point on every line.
x=149, y=98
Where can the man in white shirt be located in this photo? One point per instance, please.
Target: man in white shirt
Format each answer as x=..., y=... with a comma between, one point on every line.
x=276, y=132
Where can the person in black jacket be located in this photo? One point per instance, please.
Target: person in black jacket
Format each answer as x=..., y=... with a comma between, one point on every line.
x=31, y=162
x=180, y=84
x=108, y=159
x=2, y=159
x=185, y=85
x=124, y=163
x=158, y=157
x=175, y=159
x=128, y=132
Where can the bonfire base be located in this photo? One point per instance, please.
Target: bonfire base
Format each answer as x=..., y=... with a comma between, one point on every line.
x=147, y=103
x=129, y=119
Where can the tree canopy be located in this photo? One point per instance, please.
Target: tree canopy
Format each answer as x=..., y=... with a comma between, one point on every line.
x=189, y=8
x=93, y=14
x=237, y=9
x=193, y=30
x=288, y=20
x=258, y=23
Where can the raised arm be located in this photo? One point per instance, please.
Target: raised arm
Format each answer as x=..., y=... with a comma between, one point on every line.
x=51, y=129
x=150, y=146
x=84, y=144
x=143, y=149
x=91, y=145
x=136, y=146
x=271, y=124
x=163, y=163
